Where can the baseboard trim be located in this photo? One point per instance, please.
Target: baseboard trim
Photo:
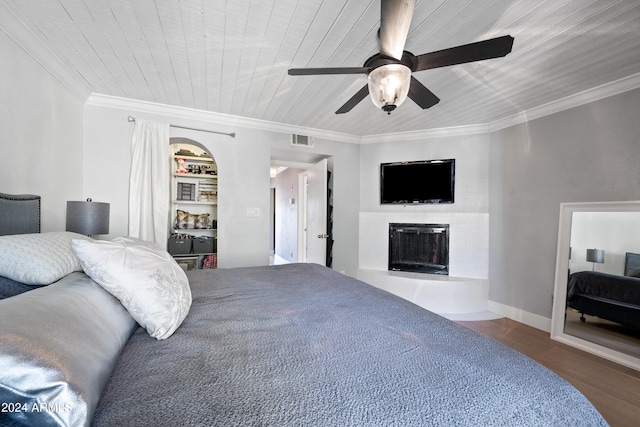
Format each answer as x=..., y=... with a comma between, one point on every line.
x=530, y=319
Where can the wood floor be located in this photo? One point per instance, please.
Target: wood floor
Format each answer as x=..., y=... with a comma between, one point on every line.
x=613, y=389
x=615, y=336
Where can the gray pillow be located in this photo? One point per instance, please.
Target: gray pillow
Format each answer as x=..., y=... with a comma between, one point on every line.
x=58, y=347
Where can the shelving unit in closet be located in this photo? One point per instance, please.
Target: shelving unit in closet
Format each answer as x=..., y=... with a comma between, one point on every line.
x=194, y=207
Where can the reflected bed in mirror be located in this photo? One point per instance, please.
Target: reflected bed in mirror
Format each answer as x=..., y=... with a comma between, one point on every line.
x=597, y=291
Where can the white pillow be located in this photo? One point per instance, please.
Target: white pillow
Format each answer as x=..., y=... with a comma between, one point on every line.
x=143, y=276
x=38, y=259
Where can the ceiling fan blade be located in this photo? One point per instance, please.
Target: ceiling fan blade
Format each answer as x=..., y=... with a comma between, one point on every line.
x=321, y=71
x=395, y=19
x=487, y=49
x=421, y=95
x=355, y=99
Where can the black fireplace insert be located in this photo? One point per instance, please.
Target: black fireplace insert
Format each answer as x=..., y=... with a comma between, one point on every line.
x=422, y=248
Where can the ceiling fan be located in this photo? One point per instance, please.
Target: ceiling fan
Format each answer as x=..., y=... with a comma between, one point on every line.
x=389, y=72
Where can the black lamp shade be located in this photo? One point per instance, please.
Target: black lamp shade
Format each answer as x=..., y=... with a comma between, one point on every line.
x=88, y=218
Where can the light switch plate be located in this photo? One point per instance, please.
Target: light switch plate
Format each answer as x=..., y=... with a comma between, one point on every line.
x=253, y=212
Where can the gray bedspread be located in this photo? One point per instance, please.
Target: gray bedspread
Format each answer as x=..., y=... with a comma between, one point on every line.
x=9, y=288
x=302, y=345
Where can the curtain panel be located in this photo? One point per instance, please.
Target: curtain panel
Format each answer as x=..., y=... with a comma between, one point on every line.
x=149, y=182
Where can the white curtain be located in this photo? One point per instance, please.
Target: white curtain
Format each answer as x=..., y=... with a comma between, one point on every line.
x=149, y=182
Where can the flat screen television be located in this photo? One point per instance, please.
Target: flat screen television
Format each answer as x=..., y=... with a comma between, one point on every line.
x=418, y=182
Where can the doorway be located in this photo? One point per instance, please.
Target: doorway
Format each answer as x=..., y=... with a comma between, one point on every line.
x=301, y=212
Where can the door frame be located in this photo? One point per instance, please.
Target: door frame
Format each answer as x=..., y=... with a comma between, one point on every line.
x=302, y=235
x=302, y=216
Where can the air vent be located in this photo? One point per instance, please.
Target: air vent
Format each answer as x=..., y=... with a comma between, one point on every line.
x=301, y=141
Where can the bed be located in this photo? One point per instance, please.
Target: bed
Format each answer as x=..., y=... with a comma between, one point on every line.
x=608, y=296
x=296, y=344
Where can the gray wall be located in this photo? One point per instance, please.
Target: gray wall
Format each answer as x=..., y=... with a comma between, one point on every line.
x=585, y=154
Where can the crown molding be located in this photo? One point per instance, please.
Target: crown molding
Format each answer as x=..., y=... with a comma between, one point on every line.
x=585, y=97
x=16, y=29
x=425, y=134
x=597, y=93
x=230, y=122
x=227, y=121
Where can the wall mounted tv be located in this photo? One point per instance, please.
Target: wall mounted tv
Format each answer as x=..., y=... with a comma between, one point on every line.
x=426, y=181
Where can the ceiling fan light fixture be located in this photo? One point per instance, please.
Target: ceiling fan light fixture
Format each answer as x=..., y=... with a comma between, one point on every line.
x=389, y=86
x=389, y=71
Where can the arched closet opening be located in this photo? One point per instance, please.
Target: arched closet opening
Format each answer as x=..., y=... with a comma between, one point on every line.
x=193, y=233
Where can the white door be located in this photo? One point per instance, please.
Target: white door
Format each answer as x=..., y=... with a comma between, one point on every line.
x=317, y=213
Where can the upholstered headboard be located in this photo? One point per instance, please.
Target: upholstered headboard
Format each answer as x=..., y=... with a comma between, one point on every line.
x=631, y=264
x=19, y=214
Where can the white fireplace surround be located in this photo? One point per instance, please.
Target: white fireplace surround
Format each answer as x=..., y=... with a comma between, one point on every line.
x=464, y=291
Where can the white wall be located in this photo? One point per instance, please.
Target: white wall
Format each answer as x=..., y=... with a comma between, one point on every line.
x=468, y=216
x=286, y=223
x=41, y=128
x=468, y=240
x=472, y=171
x=614, y=232
x=345, y=169
x=243, y=176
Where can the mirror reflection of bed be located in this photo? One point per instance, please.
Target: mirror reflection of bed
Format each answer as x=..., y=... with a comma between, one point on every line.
x=603, y=286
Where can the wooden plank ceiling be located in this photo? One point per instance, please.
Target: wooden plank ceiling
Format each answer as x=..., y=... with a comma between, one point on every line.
x=232, y=56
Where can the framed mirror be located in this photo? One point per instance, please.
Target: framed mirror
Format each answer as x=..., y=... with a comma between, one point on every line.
x=597, y=281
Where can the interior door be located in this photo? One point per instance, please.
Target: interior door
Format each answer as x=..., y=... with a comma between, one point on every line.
x=317, y=213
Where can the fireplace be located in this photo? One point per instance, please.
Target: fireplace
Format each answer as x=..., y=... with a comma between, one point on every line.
x=422, y=248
